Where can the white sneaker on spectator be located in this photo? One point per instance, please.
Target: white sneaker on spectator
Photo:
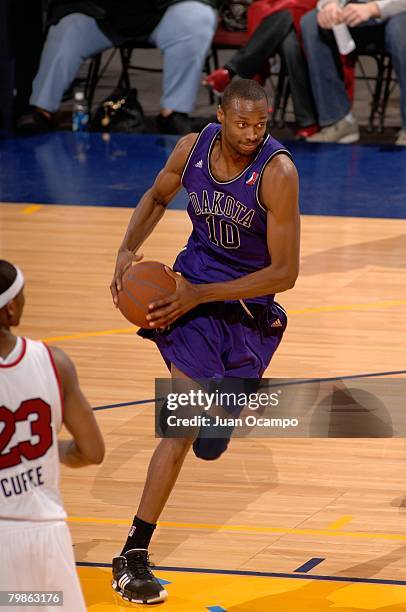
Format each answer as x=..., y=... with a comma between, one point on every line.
x=401, y=139
x=343, y=131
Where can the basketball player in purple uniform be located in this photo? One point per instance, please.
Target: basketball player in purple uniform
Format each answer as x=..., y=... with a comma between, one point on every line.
x=223, y=320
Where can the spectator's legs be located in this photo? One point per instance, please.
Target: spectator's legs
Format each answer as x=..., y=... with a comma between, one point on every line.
x=328, y=87
x=396, y=43
x=68, y=43
x=184, y=35
x=303, y=103
x=262, y=45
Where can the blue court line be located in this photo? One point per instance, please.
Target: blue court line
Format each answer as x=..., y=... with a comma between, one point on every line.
x=87, y=169
x=216, y=609
x=287, y=384
x=145, y=401
x=204, y=570
x=310, y=564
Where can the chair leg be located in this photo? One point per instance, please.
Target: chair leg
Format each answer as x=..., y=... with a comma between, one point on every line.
x=124, y=80
x=92, y=79
x=215, y=58
x=207, y=69
x=377, y=93
x=280, y=100
x=386, y=93
x=285, y=100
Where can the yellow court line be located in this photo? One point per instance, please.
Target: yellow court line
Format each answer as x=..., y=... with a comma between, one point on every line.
x=28, y=210
x=249, y=528
x=361, y=306
x=341, y=522
x=338, y=307
x=106, y=332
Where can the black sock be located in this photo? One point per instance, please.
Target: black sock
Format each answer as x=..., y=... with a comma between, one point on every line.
x=139, y=535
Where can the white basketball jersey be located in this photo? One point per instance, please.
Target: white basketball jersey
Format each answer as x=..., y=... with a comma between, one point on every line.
x=30, y=418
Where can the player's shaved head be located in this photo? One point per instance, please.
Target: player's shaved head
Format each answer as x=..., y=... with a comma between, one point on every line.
x=243, y=89
x=8, y=274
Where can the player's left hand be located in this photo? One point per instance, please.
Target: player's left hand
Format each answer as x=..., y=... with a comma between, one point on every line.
x=185, y=297
x=354, y=14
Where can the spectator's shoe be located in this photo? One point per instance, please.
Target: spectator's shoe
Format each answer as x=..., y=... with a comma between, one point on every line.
x=34, y=123
x=343, y=132
x=306, y=132
x=401, y=139
x=175, y=123
x=218, y=80
x=133, y=579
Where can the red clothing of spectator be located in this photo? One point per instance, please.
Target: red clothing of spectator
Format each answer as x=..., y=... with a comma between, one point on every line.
x=260, y=9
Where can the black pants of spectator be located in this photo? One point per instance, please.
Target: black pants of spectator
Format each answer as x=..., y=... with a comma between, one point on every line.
x=277, y=34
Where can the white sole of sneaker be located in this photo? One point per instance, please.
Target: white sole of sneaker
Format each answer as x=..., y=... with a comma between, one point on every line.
x=163, y=596
x=349, y=139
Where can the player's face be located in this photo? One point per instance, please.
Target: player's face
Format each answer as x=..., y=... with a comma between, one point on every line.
x=16, y=308
x=244, y=124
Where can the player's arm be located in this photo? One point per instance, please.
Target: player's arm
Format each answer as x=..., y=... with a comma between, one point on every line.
x=150, y=209
x=87, y=445
x=279, y=195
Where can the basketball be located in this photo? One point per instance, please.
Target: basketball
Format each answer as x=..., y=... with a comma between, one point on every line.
x=143, y=283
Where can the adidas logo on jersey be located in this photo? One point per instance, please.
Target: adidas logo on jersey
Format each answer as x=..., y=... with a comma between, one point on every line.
x=276, y=323
x=199, y=164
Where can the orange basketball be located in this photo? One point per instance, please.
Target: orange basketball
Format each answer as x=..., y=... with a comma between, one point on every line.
x=143, y=283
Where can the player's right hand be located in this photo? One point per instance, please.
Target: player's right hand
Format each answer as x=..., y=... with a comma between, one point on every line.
x=125, y=259
x=330, y=15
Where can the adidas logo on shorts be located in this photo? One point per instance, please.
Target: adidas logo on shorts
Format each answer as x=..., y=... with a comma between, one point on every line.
x=276, y=323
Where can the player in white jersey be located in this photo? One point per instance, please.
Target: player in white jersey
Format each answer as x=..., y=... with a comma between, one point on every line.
x=39, y=390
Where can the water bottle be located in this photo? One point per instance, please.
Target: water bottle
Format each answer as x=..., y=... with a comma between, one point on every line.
x=80, y=112
x=344, y=40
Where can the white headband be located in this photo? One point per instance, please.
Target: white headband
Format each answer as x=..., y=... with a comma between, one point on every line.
x=13, y=290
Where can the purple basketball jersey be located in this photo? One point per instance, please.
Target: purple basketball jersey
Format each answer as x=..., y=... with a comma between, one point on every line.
x=229, y=222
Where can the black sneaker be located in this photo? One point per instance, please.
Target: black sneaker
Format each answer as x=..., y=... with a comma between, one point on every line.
x=34, y=123
x=175, y=123
x=133, y=579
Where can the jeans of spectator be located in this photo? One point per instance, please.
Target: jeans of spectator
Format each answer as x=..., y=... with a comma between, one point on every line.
x=326, y=77
x=276, y=34
x=184, y=35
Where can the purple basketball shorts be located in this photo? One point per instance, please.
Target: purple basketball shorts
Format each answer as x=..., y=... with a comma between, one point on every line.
x=221, y=339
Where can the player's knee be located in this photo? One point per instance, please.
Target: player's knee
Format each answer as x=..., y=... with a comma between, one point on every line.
x=210, y=449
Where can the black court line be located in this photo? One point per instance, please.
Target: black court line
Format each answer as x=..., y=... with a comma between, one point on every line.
x=198, y=570
x=287, y=384
x=145, y=401
x=310, y=564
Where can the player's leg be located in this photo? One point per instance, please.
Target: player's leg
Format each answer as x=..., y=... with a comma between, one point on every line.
x=132, y=577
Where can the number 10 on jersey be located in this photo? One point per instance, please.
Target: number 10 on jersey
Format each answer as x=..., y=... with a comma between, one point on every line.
x=223, y=232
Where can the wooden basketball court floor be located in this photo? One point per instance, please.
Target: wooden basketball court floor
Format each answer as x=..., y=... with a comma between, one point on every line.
x=284, y=525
